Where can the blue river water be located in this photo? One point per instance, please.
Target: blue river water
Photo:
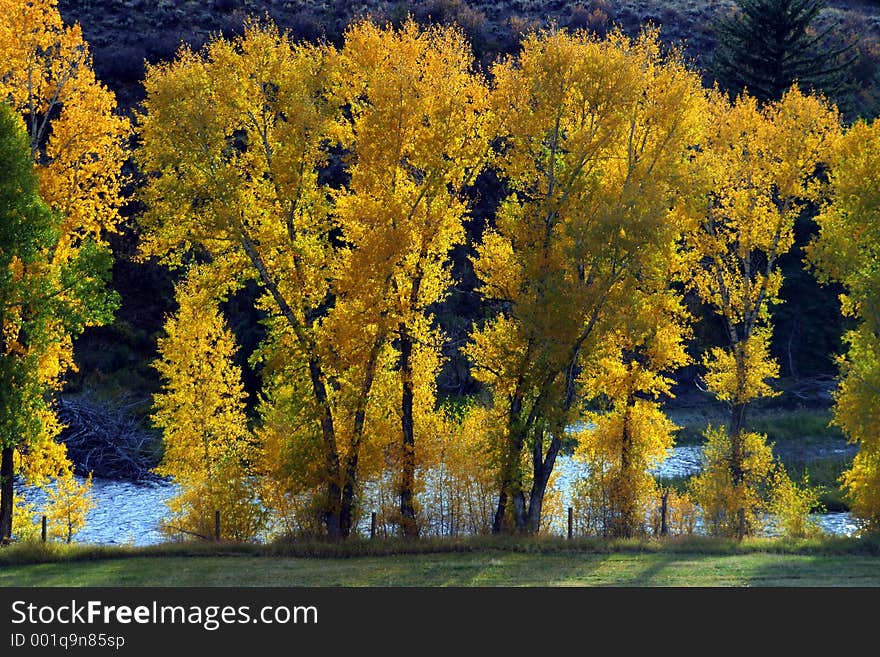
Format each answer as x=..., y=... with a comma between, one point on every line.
x=129, y=513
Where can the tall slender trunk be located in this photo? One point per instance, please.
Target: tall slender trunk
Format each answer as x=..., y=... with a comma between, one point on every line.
x=346, y=506
x=737, y=460
x=500, y=509
x=360, y=416
x=735, y=432
x=664, y=510
x=542, y=466
x=332, y=508
x=332, y=511
x=408, y=465
x=511, y=499
x=6, y=493
x=625, y=524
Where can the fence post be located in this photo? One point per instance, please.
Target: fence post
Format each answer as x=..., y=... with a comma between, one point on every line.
x=664, y=504
x=373, y=525
x=43, y=529
x=570, y=522
x=216, y=525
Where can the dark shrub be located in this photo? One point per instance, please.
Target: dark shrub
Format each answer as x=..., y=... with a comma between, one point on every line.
x=451, y=12
x=162, y=46
x=306, y=27
x=123, y=63
x=592, y=17
x=226, y=5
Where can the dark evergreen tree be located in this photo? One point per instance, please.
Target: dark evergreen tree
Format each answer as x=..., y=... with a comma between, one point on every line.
x=766, y=45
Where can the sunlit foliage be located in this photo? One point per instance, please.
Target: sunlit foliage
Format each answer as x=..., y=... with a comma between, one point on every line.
x=847, y=250
x=760, y=169
x=594, y=137
x=208, y=448
x=77, y=146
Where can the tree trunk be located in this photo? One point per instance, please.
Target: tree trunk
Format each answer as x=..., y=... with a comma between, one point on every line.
x=6, y=493
x=500, y=510
x=408, y=466
x=664, y=510
x=346, y=519
x=332, y=511
x=737, y=458
x=625, y=523
x=346, y=506
x=332, y=508
x=511, y=494
x=542, y=468
x=332, y=514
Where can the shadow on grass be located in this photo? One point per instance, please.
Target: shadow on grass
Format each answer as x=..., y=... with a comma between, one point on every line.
x=477, y=569
x=476, y=548
x=816, y=571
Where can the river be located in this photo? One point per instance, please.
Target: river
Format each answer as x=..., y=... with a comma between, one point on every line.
x=129, y=513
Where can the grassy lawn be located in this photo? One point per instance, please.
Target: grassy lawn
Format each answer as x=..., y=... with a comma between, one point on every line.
x=484, y=568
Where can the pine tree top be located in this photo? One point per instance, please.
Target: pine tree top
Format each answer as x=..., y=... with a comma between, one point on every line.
x=765, y=46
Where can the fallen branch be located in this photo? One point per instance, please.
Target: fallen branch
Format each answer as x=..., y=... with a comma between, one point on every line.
x=107, y=441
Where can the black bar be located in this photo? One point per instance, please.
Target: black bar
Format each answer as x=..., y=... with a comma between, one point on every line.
x=338, y=620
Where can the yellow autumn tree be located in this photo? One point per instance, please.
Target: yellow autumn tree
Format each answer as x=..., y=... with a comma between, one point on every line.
x=67, y=506
x=633, y=435
x=758, y=168
x=233, y=138
x=25, y=520
x=416, y=134
x=77, y=144
x=208, y=450
x=237, y=141
x=847, y=251
x=594, y=139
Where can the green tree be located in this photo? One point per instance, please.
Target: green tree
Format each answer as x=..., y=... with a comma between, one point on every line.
x=36, y=299
x=58, y=268
x=767, y=45
x=27, y=229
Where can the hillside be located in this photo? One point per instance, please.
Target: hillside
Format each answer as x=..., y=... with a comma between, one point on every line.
x=125, y=33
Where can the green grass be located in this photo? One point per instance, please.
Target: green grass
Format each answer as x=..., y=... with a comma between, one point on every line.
x=485, y=561
x=803, y=427
x=461, y=569
x=824, y=474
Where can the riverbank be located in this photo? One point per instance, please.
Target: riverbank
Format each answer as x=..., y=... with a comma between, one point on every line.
x=804, y=439
x=485, y=561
